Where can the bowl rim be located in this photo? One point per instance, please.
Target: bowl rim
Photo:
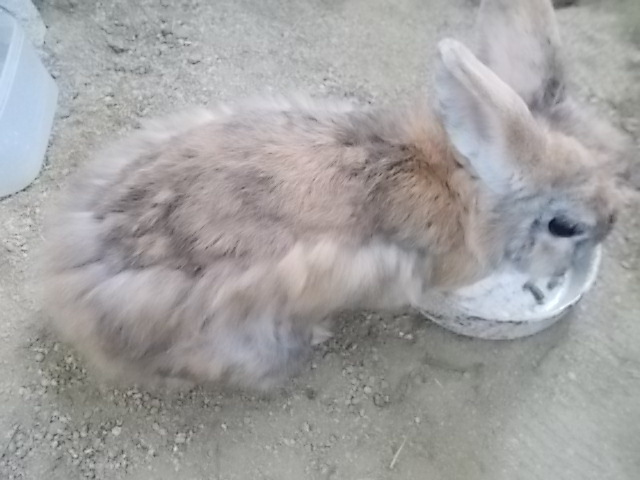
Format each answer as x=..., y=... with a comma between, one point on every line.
x=449, y=313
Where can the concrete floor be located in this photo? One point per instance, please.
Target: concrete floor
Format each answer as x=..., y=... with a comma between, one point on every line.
x=564, y=404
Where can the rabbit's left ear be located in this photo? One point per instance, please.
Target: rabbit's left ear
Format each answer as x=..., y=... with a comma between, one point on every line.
x=486, y=121
x=519, y=41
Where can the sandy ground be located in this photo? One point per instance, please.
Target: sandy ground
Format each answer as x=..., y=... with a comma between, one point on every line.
x=390, y=397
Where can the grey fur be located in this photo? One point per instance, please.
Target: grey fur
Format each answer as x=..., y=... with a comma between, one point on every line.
x=216, y=245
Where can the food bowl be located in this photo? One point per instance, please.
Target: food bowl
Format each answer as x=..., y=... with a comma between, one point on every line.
x=508, y=305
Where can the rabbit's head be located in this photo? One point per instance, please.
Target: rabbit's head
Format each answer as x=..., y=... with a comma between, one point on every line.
x=548, y=165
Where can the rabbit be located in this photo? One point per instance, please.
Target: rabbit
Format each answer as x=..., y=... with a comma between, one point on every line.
x=216, y=245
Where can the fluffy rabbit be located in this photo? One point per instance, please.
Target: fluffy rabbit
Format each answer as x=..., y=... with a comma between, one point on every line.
x=214, y=246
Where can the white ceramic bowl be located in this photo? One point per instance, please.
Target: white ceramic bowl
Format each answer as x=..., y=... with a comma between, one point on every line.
x=500, y=307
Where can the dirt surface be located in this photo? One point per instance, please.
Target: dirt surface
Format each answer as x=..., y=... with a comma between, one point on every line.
x=391, y=397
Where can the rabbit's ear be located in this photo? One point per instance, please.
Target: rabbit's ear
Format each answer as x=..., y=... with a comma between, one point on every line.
x=486, y=121
x=519, y=41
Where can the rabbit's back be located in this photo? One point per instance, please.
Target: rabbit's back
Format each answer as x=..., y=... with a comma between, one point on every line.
x=246, y=187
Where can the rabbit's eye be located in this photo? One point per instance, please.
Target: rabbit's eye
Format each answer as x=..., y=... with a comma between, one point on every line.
x=563, y=227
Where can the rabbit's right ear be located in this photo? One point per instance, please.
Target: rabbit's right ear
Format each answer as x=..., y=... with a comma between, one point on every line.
x=519, y=41
x=486, y=121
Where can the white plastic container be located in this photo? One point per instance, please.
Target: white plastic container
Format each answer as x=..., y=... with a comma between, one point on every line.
x=28, y=97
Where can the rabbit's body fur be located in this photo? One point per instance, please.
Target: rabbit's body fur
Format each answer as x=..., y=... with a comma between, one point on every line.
x=204, y=246
x=214, y=245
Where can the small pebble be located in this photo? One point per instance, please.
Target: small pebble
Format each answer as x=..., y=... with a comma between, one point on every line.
x=380, y=400
x=117, y=47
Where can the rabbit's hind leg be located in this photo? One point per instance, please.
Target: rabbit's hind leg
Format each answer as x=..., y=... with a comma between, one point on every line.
x=262, y=353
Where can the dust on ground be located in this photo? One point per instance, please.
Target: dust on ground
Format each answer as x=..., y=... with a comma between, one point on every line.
x=391, y=397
